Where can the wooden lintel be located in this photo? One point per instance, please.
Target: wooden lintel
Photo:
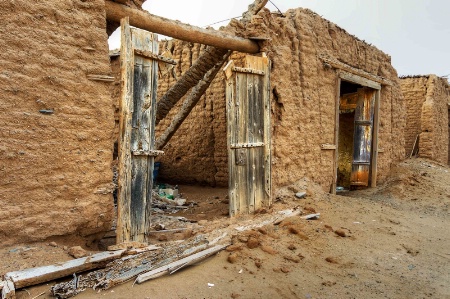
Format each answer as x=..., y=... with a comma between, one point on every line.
x=39, y=275
x=152, y=153
x=359, y=80
x=333, y=62
x=144, y=20
x=101, y=78
x=248, y=71
x=327, y=146
x=247, y=145
x=153, y=56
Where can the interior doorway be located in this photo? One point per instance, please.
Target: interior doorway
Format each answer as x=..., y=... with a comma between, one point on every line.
x=357, y=132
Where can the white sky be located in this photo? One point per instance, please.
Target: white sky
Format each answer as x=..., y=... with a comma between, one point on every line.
x=416, y=33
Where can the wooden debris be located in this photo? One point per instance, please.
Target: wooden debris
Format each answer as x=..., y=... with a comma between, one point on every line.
x=311, y=216
x=154, y=56
x=175, y=266
x=39, y=295
x=8, y=291
x=103, y=78
x=285, y=214
x=39, y=275
x=327, y=146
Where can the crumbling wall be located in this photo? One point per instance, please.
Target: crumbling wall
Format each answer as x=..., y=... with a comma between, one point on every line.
x=434, y=117
x=303, y=103
x=55, y=165
x=414, y=91
x=427, y=99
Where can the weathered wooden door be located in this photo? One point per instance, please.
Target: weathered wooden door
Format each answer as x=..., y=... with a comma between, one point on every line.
x=248, y=132
x=139, y=73
x=362, y=138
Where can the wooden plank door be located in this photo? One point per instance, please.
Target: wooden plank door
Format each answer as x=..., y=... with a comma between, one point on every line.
x=248, y=133
x=139, y=72
x=362, y=138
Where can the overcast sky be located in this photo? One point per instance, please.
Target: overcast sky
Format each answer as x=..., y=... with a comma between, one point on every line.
x=416, y=33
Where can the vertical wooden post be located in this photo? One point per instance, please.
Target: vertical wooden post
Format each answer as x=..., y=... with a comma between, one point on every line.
x=376, y=117
x=336, y=133
x=126, y=111
x=137, y=134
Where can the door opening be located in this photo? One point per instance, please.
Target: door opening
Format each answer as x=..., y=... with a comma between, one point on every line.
x=357, y=136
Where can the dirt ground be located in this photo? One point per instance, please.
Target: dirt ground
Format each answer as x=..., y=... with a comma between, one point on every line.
x=387, y=242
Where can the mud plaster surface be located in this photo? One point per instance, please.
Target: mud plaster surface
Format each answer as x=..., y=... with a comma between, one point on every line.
x=55, y=168
x=303, y=100
x=427, y=101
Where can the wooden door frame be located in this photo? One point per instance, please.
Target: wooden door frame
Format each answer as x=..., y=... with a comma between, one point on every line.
x=353, y=78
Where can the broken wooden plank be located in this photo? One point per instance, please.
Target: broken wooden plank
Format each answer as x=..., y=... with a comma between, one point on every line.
x=103, y=78
x=327, y=146
x=33, y=276
x=175, y=266
x=144, y=20
x=311, y=216
x=154, y=56
x=285, y=214
x=359, y=80
x=8, y=291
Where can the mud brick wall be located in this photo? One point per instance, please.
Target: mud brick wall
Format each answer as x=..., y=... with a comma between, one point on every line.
x=427, y=99
x=414, y=91
x=197, y=152
x=55, y=170
x=303, y=103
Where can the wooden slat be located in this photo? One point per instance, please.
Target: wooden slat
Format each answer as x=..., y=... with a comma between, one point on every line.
x=175, y=266
x=248, y=71
x=103, y=78
x=154, y=56
x=326, y=146
x=43, y=274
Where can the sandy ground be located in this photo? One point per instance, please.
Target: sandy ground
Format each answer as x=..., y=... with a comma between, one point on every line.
x=388, y=242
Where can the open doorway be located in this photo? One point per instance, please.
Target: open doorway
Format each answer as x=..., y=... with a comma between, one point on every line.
x=357, y=134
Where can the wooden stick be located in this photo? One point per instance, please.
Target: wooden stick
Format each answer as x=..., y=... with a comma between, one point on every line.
x=39, y=295
x=144, y=20
x=8, y=291
x=39, y=275
x=175, y=266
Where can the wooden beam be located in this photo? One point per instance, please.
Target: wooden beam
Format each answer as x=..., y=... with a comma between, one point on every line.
x=327, y=146
x=144, y=20
x=336, y=134
x=376, y=125
x=39, y=275
x=333, y=62
x=359, y=80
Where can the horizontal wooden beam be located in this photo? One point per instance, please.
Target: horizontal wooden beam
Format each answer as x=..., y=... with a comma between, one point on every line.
x=144, y=20
x=39, y=275
x=333, y=62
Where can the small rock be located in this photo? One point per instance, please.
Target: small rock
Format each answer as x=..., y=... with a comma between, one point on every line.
x=262, y=230
x=285, y=269
x=234, y=247
x=300, y=194
x=258, y=264
x=77, y=252
x=162, y=238
x=268, y=249
x=292, y=247
x=340, y=233
x=65, y=248
x=53, y=244
x=331, y=260
x=252, y=242
x=232, y=258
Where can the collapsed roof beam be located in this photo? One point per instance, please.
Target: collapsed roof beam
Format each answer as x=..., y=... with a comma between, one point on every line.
x=178, y=30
